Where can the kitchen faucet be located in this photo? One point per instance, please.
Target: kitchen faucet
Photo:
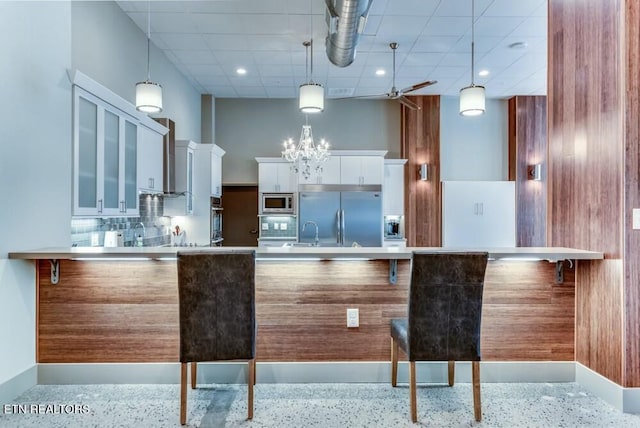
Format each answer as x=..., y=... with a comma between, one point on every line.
x=144, y=233
x=304, y=226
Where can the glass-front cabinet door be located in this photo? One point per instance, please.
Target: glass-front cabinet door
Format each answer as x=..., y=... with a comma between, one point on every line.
x=104, y=159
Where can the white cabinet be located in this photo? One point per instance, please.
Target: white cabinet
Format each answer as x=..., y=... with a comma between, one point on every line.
x=400, y=243
x=105, y=145
x=216, y=170
x=150, y=160
x=329, y=174
x=478, y=214
x=361, y=170
x=393, y=187
x=185, y=170
x=276, y=176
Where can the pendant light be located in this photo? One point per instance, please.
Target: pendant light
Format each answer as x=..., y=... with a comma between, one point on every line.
x=148, y=93
x=472, y=97
x=311, y=96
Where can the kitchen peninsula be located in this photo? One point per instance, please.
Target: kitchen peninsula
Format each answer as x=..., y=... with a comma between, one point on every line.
x=119, y=305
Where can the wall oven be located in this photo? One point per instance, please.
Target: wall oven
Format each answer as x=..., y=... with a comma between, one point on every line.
x=277, y=203
x=216, y=222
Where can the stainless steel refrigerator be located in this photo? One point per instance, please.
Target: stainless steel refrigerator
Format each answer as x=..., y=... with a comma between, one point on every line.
x=344, y=215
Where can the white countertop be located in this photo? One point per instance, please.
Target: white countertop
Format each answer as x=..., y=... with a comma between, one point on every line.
x=378, y=253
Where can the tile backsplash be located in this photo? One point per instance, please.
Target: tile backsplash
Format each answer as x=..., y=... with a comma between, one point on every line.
x=88, y=231
x=278, y=227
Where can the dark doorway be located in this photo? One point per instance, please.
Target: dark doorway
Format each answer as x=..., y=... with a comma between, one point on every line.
x=240, y=218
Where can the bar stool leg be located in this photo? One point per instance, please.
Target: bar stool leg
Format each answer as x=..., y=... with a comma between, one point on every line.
x=394, y=362
x=250, y=383
x=183, y=393
x=194, y=374
x=452, y=372
x=412, y=391
x=475, y=376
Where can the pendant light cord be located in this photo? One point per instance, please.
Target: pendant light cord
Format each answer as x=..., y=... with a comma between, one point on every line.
x=311, y=38
x=472, y=41
x=148, y=40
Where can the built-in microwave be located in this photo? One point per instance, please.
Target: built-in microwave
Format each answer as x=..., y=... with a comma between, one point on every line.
x=277, y=203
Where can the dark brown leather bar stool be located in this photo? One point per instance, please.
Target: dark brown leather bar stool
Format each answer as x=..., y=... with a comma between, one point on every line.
x=216, y=292
x=445, y=310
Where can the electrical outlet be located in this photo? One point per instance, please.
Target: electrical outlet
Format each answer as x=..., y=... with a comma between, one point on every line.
x=283, y=226
x=265, y=226
x=353, y=318
x=276, y=226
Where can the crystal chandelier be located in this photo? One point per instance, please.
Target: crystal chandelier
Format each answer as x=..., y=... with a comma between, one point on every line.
x=306, y=154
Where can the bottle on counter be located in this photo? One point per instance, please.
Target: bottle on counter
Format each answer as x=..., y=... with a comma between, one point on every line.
x=139, y=241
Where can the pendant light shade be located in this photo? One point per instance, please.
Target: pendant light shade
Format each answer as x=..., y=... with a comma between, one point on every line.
x=311, y=98
x=148, y=94
x=472, y=100
x=148, y=97
x=472, y=97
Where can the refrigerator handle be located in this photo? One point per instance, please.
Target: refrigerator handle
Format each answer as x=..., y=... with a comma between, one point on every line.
x=338, y=226
x=344, y=231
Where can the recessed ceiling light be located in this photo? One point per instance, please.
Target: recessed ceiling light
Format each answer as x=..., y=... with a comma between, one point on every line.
x=483, y=73
x=241, y=71
x=518, y=45
x=380, y=72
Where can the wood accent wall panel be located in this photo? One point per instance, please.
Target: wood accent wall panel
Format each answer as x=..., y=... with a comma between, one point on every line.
x=586, y=107
x=528, y=146
x=599, y=317
x=420, y=143
x=631, y=358
x=127, y=311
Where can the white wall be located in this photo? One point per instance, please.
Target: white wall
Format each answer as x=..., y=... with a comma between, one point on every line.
x=111, y=49
x=247, y=128
x=474, y=148
x=35, y=162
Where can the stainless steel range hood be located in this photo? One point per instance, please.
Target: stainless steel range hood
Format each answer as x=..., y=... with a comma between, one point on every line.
x=169, y=157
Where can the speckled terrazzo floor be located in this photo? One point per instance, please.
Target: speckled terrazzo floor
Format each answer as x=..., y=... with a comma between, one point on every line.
x=316, y=405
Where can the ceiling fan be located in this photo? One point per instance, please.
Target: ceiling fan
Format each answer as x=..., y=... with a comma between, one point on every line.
x=399, y=95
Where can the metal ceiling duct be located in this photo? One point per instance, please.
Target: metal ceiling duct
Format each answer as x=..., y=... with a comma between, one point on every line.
x=346, y=20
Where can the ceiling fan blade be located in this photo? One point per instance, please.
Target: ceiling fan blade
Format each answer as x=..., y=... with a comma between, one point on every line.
x=419, y=86
x=361, y=96
x=407, y=102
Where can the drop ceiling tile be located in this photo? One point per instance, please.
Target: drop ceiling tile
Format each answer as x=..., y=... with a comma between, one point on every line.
x=278, y=81
x=415, y=73
x=435, y=43
x=204, y=70
x=441, y=73
x=423, y=59
x=282, y=92
x=456, y=60
x=226, y=42
x=177, y=41
x=373, y=24
x=271, y=42
x=376, y=82
x=251, y=92
x=222, y=91
x=165, y=22
x=412, y=7
x=342, y=82
x=206, y=80
x=385, y=59
x=511, y=8
x=142, y=6
x=262, y=6
x=446, y=26
x=501, y=56
x=482, y=44
x=267, y=70
x=299, y=28
x=244, y=80
x=394, y=26
x=189, y=57
x=346, y=72
x=234, y=59
x=264, y=24
x=210, y=23
x=378, y=7
x=270, y=58
x=531, y=27
x=496, y=26
x=217, y=6
x=461, y=8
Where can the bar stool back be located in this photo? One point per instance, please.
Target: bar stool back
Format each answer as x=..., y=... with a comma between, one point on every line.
x=443, y=324
x=216, y=293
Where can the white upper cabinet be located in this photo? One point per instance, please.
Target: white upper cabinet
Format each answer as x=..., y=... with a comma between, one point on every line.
x=329, y=173
x=150, y=160
x=276, y=176
x=361, y=170
x=393, y=187
x=216, y=170
x=105, y=149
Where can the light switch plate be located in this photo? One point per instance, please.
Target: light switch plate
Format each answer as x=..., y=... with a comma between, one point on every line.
x=636, y=218
x=276, y=226
x=265, y=226
x=353, y=318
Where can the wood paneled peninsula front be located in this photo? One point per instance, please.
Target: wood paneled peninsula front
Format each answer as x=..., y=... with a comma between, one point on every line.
x=121, y=304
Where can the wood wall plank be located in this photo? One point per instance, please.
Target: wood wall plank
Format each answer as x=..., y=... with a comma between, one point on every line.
x=528, y=146
x=420, y=143
x=586, y=107
x=301, y=311
x=631, y=358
